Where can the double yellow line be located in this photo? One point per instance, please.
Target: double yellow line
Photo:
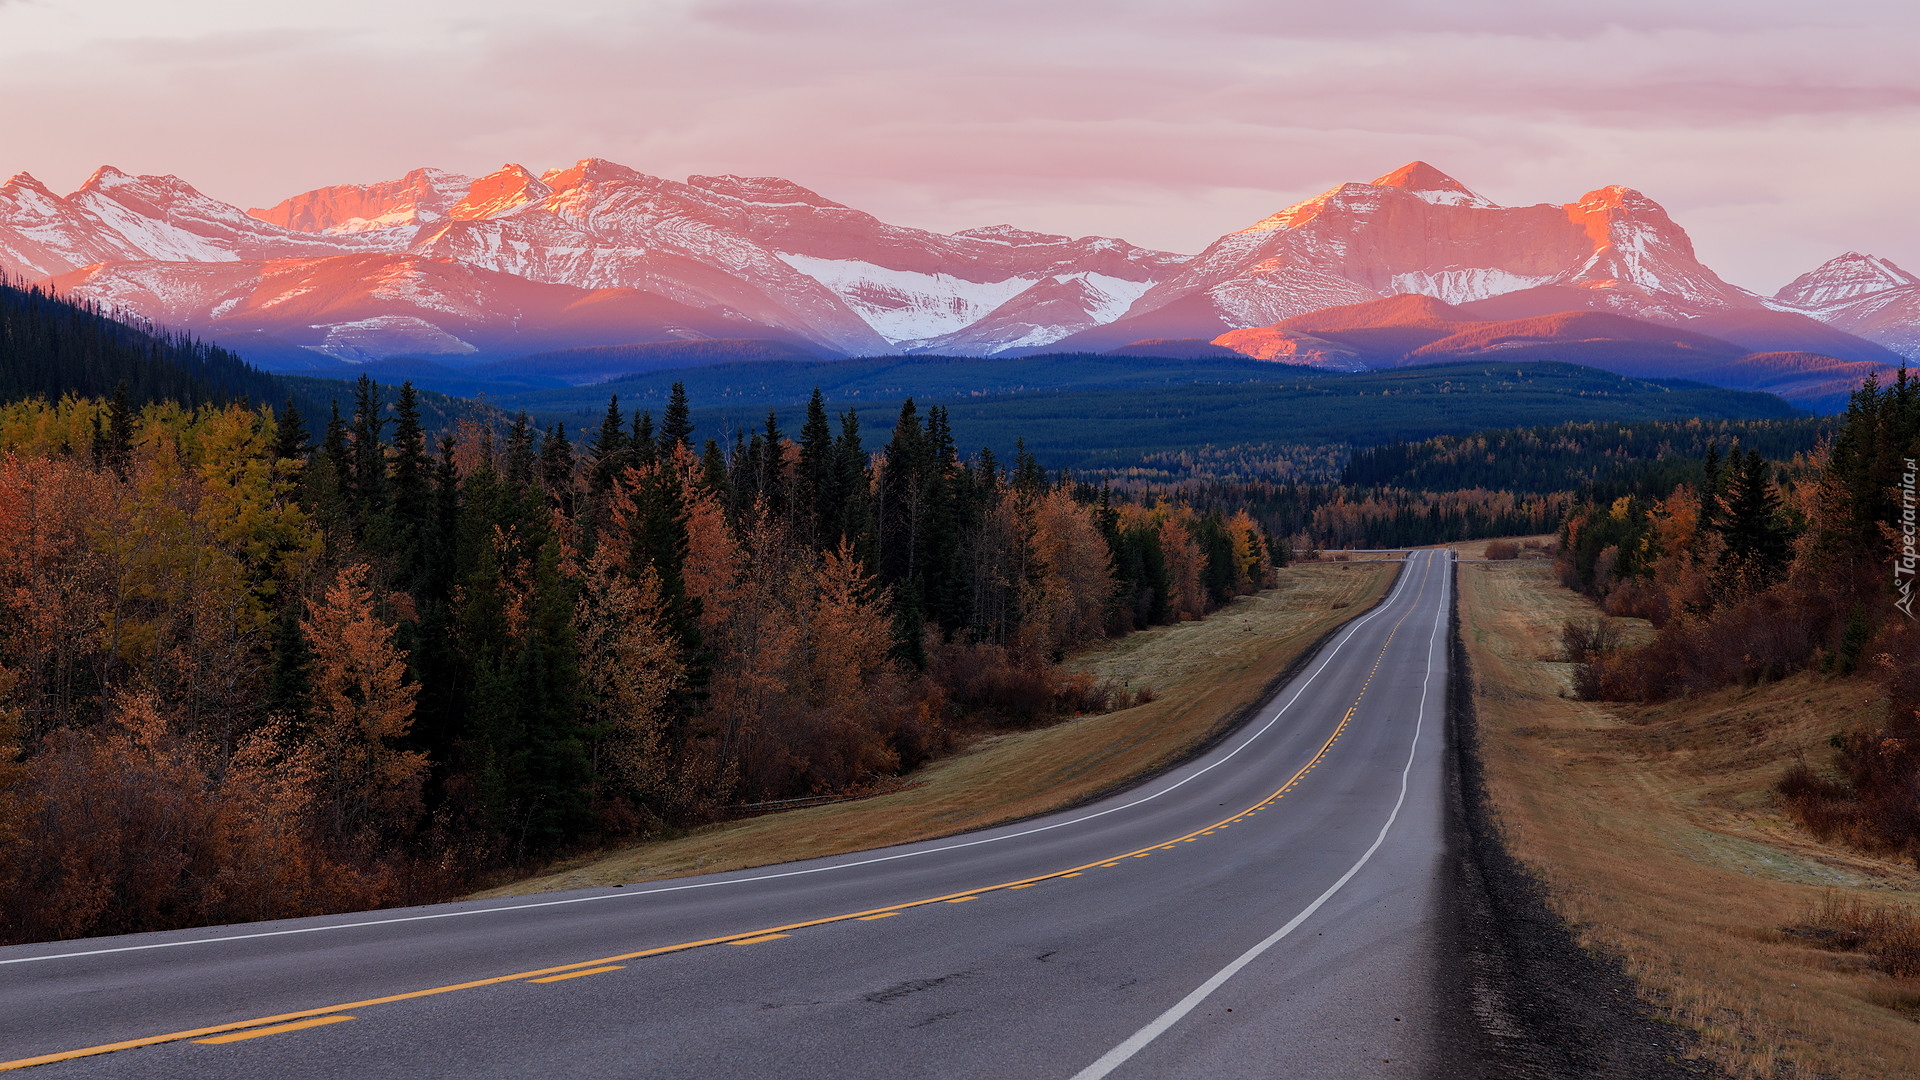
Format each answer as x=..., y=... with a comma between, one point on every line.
x=290, y=1021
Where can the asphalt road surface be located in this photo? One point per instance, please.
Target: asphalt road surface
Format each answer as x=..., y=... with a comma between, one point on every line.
x=1272, y=908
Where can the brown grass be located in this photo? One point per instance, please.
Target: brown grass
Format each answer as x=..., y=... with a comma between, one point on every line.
x=1197, y=675
x=1658, y=835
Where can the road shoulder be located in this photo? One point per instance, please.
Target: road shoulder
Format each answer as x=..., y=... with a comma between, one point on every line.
x=1650, y=835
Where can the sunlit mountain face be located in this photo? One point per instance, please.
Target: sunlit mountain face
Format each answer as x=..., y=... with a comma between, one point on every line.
x=458, y=268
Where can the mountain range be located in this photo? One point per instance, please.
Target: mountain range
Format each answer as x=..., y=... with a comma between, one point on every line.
x=468, y=271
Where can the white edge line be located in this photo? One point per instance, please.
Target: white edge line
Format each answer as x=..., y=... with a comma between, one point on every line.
x=1346, y=635
x=1138, y=1041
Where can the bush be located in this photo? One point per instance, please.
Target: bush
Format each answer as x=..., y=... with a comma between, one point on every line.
x=1589, y=645
x=1502, y=549
x=1889, y=934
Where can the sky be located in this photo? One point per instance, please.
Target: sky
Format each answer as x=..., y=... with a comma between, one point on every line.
x=1779, y=134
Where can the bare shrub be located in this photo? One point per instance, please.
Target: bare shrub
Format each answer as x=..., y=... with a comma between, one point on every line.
x=1589, y=644
x=1888, y=933
x=1502, y=549
x=988, y=682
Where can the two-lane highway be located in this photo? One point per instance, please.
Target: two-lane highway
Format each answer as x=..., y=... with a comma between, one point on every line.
x=1271, y=908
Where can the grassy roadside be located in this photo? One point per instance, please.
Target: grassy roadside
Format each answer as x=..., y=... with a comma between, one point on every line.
x=1203, y=673
x=1658, y=837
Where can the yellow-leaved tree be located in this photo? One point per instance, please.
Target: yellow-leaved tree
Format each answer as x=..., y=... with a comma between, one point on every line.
x=629, y=666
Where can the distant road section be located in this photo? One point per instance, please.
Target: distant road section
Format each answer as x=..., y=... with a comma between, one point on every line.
x=1272, y=908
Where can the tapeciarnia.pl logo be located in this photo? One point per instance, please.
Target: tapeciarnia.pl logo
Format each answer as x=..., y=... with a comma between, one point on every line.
x=1904, y=566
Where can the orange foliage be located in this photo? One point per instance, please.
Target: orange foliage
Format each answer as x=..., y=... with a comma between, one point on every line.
x=362, y=708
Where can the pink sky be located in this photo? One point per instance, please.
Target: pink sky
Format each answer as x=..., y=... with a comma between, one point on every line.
x=1779, y=134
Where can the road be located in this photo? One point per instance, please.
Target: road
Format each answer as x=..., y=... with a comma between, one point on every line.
x=1273, y=908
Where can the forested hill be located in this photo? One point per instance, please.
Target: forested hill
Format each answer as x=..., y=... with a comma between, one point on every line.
x=1604, y=458
x=50, y=348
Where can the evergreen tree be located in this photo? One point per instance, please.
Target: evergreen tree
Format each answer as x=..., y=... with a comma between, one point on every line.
x=368, y=479
x=645, y=450
x=409, y=518
x=818, y=479
x=676, y=425
x=1757, y=540
x=118, y=452
x=607, y=452
x=853, y=508
x=773, y=468
x=556, y=468
x=289, y=681
x=290, y=434
x=713, y=471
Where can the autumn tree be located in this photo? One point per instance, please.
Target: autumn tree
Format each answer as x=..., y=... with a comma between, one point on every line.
x=362, y=710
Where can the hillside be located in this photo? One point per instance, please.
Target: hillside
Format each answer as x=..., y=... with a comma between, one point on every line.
x=1658, y=832
x=50, y=348
x=1410, y=329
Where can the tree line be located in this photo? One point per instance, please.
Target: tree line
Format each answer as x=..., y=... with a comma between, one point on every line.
x=253, y=665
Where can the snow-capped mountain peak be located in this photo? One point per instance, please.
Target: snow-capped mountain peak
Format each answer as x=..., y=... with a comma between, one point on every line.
x=1842, y=278
x=1864, y=295
x=1432, y=185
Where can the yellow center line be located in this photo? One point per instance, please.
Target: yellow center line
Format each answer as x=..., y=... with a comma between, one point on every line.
x=747, y=938
x=279, y=1029
x=577, y=974
x=882, y=915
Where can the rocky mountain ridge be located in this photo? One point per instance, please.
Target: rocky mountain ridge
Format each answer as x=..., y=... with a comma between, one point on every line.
x=438, y=264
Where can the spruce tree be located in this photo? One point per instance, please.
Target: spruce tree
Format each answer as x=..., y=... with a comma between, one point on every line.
x=369, y=470
x=290, y=434
x=818, y=493
x=118, y=454
x=713, y=471
x=607, y=453
x=409, y=517
x=773, y=468
x=676, y=425
x=556, y=468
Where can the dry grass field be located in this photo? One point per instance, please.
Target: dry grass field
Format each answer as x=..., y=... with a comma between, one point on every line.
x=1660, y=840
x=1203, y=673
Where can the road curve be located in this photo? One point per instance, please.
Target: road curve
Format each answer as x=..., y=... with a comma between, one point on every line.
x=1272, y=908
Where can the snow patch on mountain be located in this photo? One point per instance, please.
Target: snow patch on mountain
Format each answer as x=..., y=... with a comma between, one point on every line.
x=1111, y=296
x=905, y=305
x=365, y=340
x=1460, y=286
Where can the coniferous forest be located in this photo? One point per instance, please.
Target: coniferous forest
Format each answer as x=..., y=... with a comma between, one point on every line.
x=256, y=664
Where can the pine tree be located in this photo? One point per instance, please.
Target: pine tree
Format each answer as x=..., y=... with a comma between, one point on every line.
x=118, y=454
x=853, y=508
x=818, y=485
x=1757, y=540
x=773, y=468
x=645, y=450
x=290, y=435
x=713, y=471
x=409, y=517
x=368, y=479
x=676, y=425
x=556, y=468
x=607, y=453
